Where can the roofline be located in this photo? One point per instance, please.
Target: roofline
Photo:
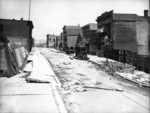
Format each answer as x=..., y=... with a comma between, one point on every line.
x=89, y=24
x=112, y=12
x=28, y=21
x=71, y=26
x=53, y=35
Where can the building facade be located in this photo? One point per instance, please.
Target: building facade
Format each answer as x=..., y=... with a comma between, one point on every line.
x=89, y=33
x=53, y=40
x=18, y=32
x=70, y=36
x=127, y=36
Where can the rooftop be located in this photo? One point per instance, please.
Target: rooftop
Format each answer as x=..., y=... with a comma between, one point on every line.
x=21, y=21
x=120, y=16
x=129, y=17
x=71, y=27
x=93, y=26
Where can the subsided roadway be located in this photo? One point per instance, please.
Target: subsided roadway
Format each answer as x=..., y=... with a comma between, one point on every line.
x=92, y=100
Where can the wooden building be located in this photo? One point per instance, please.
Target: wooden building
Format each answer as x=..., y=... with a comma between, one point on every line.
x=50, y=41
x=18, y=32
x=128, y=36
x=70, y=36
x=89, y=33
x=53, y=40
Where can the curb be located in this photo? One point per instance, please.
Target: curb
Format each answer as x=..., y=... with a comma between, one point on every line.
x=56, y=95
x=58, y=100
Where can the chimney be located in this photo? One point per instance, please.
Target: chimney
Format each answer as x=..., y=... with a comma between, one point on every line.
x=21, y=19
x=145, y=13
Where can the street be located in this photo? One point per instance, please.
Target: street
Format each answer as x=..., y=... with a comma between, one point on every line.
x=74, y=56
x=88, y=89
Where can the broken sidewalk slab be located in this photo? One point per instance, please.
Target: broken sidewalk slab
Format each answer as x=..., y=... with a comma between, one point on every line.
x=15, y=79
x=28, y=67
x=35, y=77
x=32, y=80
x=25, y=97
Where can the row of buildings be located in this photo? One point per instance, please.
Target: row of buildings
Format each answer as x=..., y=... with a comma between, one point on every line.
x=122, y=37
x=129, y=37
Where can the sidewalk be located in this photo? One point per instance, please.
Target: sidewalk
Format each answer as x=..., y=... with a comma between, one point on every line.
x=19, y=96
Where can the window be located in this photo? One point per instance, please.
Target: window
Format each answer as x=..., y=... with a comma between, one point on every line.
x=1, y=27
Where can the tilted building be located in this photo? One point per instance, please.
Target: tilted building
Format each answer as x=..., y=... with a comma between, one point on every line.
x=18, y=32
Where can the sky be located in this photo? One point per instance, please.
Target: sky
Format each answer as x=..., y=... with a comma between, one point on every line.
x=49, y=16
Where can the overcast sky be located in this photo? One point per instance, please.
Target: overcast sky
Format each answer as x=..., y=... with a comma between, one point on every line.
x=49, y=16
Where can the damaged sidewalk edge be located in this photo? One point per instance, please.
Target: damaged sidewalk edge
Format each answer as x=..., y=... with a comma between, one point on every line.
x=56, y=95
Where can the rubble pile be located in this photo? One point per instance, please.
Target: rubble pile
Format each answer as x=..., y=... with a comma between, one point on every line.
x=112, y=67
x=126, y=71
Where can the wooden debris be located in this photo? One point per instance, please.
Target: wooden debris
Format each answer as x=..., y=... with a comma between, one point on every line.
x=104, y=88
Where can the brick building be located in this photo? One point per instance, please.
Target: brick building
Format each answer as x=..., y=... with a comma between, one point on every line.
x=18, y=32
x=89, y=33
x=128, y=35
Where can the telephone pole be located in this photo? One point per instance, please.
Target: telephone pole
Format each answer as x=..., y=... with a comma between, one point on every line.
x=29, y=9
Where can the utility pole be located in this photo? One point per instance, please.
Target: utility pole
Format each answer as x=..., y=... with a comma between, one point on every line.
x=29, y=9
x=0, y=8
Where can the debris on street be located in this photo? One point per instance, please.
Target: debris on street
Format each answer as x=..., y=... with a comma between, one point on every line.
x=126, y=71
x=86, y=85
